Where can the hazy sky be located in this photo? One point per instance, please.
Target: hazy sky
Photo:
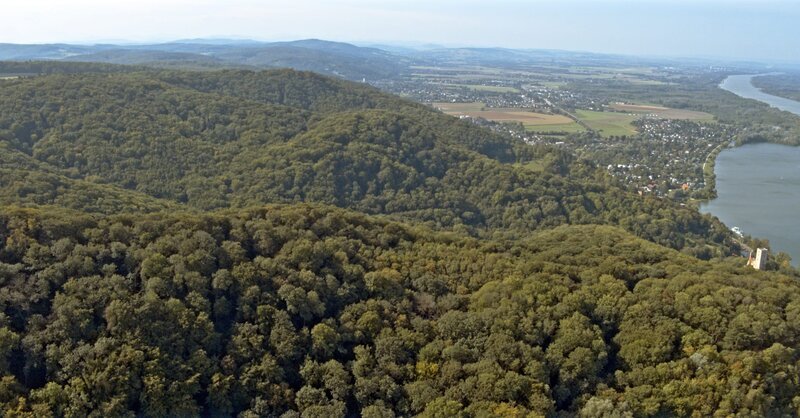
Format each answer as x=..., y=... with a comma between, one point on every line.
x=754, y=29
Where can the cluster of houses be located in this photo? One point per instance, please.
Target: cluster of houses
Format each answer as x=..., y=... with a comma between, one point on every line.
x=666, y=156
x=664, y=159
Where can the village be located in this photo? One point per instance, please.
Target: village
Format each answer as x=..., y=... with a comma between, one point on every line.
x=665, y=158
x=657, y=155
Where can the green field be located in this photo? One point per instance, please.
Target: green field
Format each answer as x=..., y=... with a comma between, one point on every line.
x=458, y=109
x=561, y=127
x=553, y=84
x=608, y=123
x=532, y=121
x=663, y=112
x=480, y=87
x=643, y=82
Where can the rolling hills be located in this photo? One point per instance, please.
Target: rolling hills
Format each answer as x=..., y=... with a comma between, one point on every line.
x=340, y=59
x=332, y=58
x=281, y=243
x=231, y=139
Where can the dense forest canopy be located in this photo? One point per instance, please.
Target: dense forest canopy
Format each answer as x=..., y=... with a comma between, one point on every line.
x=279, y=243
x=147, y=140
x=323, y=312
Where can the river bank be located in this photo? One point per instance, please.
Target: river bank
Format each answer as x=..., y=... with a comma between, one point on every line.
x=758, y=190
x=757, y=186
x=742, y=86
x=709, y=176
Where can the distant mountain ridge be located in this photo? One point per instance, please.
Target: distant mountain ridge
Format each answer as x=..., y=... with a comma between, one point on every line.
x=332, y=58
x=345, y=60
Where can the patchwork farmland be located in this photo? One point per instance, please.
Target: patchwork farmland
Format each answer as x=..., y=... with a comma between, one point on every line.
x=662, y=112
x=533, y=121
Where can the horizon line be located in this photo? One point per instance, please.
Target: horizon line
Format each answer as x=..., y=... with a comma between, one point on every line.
x=409, y=44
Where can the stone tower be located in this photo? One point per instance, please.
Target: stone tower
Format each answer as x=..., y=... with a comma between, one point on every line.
x=760, y=261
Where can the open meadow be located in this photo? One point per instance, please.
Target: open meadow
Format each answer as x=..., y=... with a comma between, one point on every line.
x=481, y=87
x=533, y=121
x=663, y=112
x=608, y=123
x=560, y=128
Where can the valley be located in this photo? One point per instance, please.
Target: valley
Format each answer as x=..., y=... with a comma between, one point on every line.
x=653, y=142
x=191, y=229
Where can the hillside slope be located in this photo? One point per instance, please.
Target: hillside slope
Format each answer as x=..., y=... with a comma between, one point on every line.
x=279, y=243
x=236, y=138
x=327, y=312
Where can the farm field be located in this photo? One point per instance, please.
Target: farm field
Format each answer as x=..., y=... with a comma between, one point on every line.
x=663, y=112
x=605, y=123
x=608, y=123
x=553, y=84
x=480, y=87
x=537, y=122
x=644, y=82
x=571, y=127
x=458, y=109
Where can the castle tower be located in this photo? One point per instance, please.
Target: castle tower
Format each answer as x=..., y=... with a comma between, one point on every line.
x=760, y=261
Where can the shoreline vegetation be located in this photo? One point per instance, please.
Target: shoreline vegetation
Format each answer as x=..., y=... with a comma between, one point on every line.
x=757, y=192
x=782, y=85
x=709, y=166
x=710, y=162
x=709, y=176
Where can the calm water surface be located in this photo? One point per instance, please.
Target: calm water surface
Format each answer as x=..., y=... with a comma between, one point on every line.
x=758, y=185
x=759, y=191
x=741, y=86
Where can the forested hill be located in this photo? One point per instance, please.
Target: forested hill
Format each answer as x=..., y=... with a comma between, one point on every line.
x=303, y=309
x=279, y=243
x=127, y=140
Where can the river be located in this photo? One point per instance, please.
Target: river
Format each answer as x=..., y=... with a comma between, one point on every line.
x=758, y=185
x=741, y=86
